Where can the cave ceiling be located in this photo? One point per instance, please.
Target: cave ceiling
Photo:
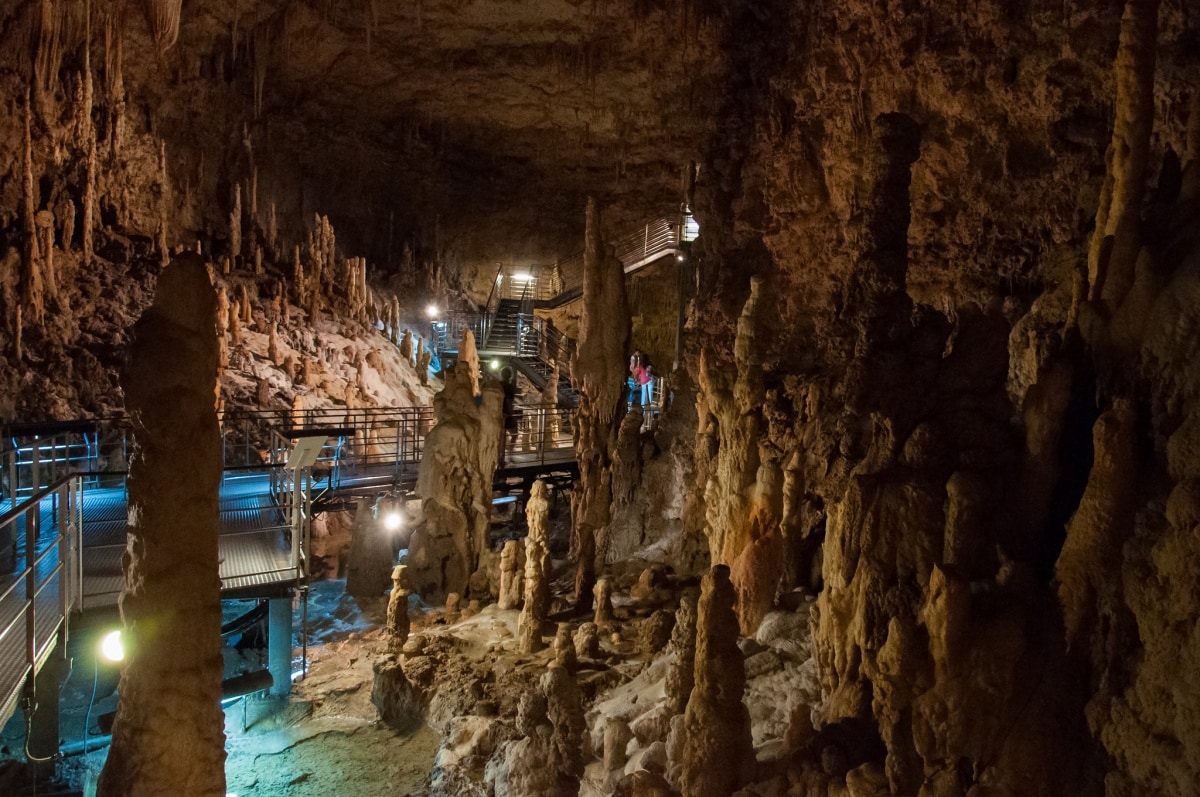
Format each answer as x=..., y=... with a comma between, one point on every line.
x=446, y=116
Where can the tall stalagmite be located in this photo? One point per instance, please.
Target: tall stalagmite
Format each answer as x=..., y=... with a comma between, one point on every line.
x=455, y=483
x=718, y=752
x=168, y=737
x=598, y=373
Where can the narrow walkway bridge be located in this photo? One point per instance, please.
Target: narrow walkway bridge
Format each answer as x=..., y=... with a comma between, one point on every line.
x=508, y=328
x=64, y=507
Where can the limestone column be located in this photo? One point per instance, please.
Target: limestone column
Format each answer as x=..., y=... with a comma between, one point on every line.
x=168, y=737
x=718, y=751
x=598, y=372
x=537, y=566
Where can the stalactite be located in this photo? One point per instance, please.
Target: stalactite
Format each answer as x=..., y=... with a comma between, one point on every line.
x=164, y=204
x=66, y=221
x=272, y=228
x=235, y=223
x=163, y=18
x=44, y=221
x=47, y=56
x=1117, y=240
x=31, y=277
x=262, y=54
x=89, y=201
x=254, y=193
x=114, y=71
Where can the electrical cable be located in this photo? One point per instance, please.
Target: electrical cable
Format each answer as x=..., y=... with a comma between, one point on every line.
x=87, y=719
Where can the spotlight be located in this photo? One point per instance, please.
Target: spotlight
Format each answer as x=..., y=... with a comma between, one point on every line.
x=495, y=365
x=681, y=257
x=112, y=647
x=522, y=277
x=432, y=311
x=392, y=521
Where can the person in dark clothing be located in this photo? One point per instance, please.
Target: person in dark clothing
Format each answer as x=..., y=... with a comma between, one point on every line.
x=508, y=433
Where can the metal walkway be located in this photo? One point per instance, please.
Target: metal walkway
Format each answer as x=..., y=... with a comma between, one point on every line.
x=254, y=543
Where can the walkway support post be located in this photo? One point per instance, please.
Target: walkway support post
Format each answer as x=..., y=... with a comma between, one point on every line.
x=279, y=644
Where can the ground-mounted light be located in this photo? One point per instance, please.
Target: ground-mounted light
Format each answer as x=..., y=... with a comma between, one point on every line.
x=681, y=257
x=522, y=276
x=392, y=521
x=433, y=311
x=494, y=365
x=112, y=646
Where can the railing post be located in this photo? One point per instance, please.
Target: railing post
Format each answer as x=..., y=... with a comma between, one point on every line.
x=35, y=464
x=33, y=520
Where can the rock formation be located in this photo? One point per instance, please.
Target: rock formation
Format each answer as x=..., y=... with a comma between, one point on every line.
x=512, y=573
x=718, y=755
x=455, y=484
x=168, y=736
x=537, y=572
x=597, y=372
x=397, y=610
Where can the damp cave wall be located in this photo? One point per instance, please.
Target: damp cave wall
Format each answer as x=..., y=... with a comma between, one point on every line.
x=915, y=186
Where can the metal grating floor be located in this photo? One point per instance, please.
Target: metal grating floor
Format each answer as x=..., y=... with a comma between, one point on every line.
x=254, y=544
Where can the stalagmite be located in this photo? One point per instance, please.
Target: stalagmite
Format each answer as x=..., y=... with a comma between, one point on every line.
x=598, y=373
x=537, y=572
x=455, y=482
x=222, y=327
x=512, y=571
x=681, y=677
x=397, y=610
x=168, y=737
x=587, y=641
x=418, y=352
x=604, y=609
x=468, y=360
x=718, y=752
x=395, y=318
x=298, y=411
x=406, y=346
x=1088, y=569
x=564, y=707
x=32, y=290
x=550, y=391
x=1117, y=237
x=273, y=344
x=297, y=276
x=564, y=648
x=423, y=366
x=246, y=307
x=235, y=324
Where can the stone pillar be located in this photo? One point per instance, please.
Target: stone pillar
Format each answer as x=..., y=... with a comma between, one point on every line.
x=397, y=611
x=168, y=736
x=537, y=565
x=511, y=570
x=718, y=752
x=598, y=373
x=279, y=644
x=454, y=482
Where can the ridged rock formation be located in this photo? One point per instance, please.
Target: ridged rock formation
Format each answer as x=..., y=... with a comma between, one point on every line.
x=168, y=737
x=598, y=374
x=718, y=757
x=455, y=484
